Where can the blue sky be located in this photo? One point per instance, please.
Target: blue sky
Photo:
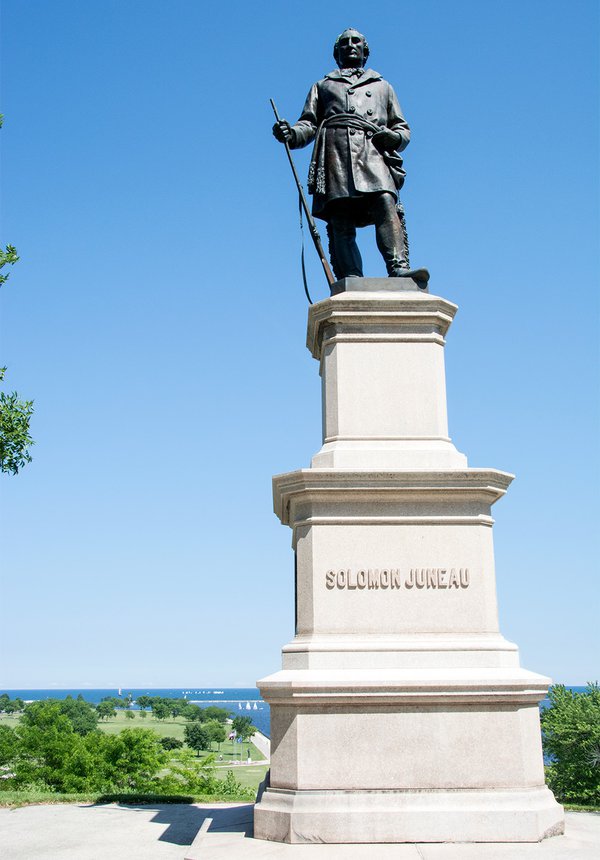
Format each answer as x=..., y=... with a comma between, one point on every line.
x=158, y=320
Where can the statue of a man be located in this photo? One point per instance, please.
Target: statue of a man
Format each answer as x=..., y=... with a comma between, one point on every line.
x=355, y=174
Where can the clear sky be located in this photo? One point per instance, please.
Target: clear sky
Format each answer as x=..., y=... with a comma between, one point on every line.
x=157, y=316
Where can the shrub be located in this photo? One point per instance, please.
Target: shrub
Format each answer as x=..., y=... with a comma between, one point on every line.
x=170, y=743
x=571, y=738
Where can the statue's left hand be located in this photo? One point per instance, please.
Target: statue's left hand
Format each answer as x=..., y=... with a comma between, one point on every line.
x=386, y=140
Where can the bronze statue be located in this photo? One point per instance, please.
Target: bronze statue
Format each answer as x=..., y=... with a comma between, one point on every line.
x=355, y=173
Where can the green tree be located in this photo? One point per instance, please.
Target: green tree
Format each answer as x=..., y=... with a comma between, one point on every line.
x=83, y=716
x=143, y=701
x=130, y=715
x=15, y=414
x=10, y=706
x=214, y=713
x=143, y=715
x=196, y=737
x=133, y=759
x=15, y=439
x=8, y=257
x=47, y=743
x=105, y=709
x=8, y=745
x=177, y=706
x=244, y=728
x=216, y=732
x=193, y=712
x=113, y=700
x=161, y=710
x=571, y=739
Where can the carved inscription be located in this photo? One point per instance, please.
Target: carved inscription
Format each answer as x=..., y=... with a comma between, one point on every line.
x=392, y=578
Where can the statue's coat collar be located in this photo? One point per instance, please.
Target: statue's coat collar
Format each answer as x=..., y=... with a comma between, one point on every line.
x=367, y=75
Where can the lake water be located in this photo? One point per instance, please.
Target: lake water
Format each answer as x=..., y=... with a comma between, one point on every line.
x=240, y=701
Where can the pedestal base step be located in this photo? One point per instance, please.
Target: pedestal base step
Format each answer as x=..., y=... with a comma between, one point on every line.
x=283, y=815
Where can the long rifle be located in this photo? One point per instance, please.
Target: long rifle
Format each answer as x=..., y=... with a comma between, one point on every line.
x=309, y=218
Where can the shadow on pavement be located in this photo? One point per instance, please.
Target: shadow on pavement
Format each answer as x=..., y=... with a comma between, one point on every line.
x=183, y=821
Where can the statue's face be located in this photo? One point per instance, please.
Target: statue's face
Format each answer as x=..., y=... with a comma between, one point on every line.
x=351, y=50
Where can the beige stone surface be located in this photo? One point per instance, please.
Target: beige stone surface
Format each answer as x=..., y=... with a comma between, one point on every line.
x=384, y=387
x=400, y=714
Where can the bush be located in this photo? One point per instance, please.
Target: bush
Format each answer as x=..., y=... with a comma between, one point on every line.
x=46, y=755
x=571, y=739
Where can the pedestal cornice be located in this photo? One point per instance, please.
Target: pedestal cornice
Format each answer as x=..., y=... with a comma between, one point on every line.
x=383, y=315
x=481, y=485
x=419, y=686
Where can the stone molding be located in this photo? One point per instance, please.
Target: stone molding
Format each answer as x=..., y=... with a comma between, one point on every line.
x=400, y=316
x=314, y=485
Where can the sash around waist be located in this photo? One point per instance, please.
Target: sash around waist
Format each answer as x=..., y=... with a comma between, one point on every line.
x=349, y=120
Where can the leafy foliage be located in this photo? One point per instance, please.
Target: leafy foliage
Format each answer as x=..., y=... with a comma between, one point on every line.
x=170, y=743
x=216, y=731
x=105, y=709
x=10, y=706
x=83, y=716
x=196, y=737
x=15, y=440
x=244, y=728
x=15, y=414
x=8, y=741
x=194, y=712
x=8, y=257
x=160, y=710
x=214, y=713
x=571, y=738
x=51, y=750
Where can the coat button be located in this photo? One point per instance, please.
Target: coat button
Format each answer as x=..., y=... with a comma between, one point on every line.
x=351, y=109
x=352, y=131
x=368, y=93
x=369, y=111
x=369, y=135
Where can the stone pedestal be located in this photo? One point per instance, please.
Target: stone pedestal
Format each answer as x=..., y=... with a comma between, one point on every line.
x=400, y=714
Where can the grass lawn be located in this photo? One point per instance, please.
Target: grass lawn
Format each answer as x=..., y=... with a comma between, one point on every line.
x=173, y=727
x=248, y=777
x=10, y=720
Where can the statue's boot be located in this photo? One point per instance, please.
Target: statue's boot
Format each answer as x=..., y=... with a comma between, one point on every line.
x=392, y=241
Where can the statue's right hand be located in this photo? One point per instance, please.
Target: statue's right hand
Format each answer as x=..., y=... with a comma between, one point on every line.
x=283, y=131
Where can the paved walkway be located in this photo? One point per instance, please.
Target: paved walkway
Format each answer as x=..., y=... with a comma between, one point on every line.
x=165, y=832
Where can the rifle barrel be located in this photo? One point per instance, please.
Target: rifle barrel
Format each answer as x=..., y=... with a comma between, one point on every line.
x=311, y=221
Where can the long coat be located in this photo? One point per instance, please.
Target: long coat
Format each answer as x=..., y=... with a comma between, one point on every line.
x=353, y=165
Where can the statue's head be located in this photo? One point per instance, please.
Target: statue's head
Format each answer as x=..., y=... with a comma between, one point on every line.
x=351, y=49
